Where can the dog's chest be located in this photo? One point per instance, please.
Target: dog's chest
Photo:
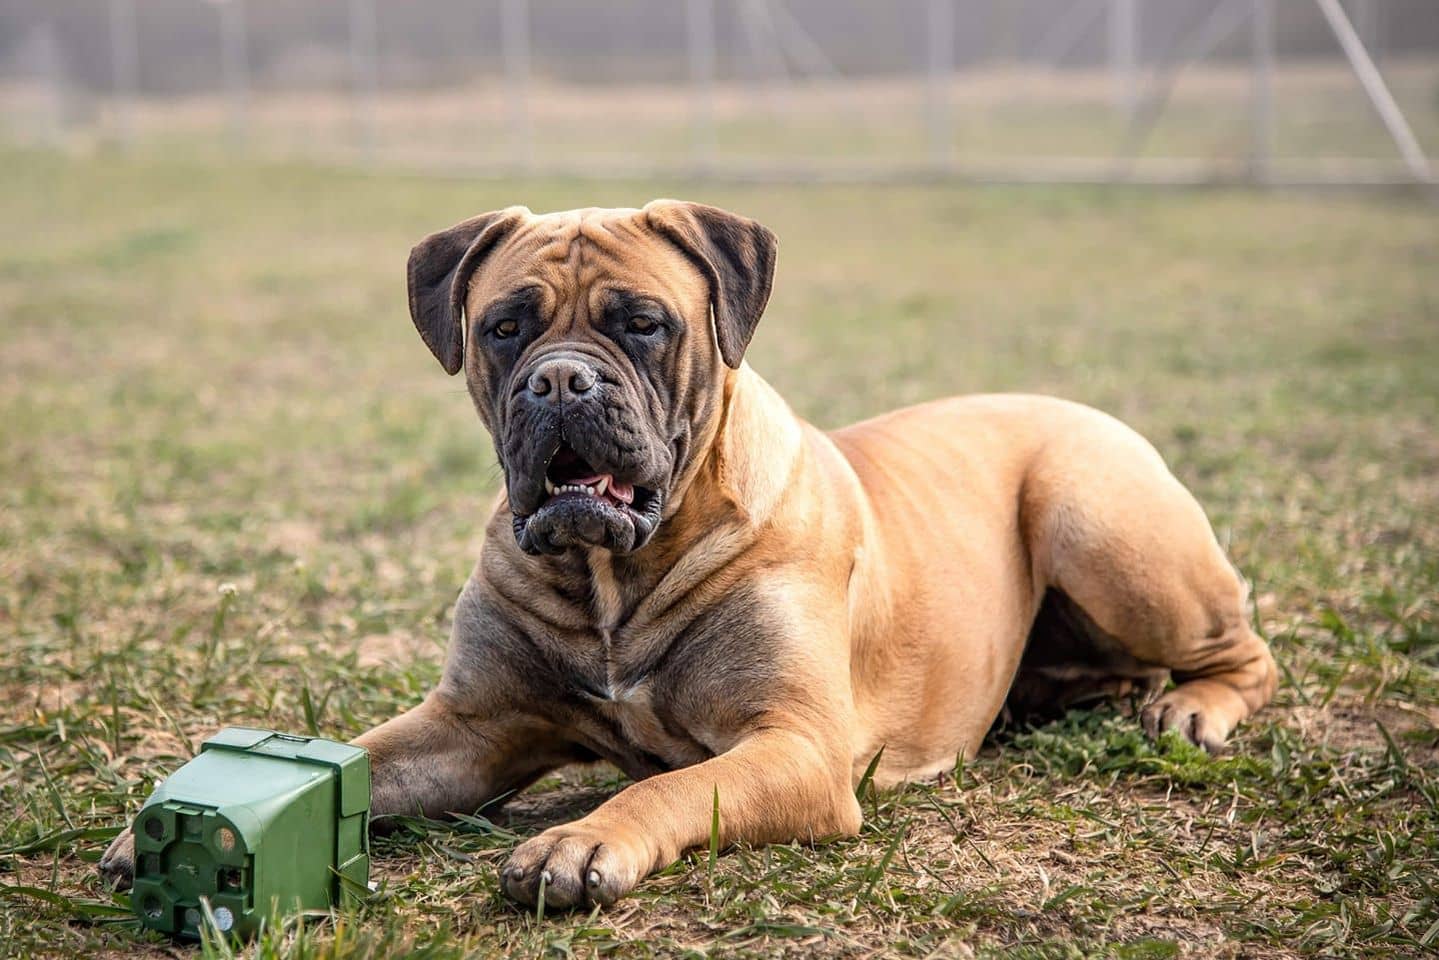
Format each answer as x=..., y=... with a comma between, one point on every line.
x=639, y=734
x=626, y=717
x=657, y=693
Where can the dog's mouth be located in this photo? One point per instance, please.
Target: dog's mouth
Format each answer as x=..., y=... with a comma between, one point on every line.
x=569, y=475
x=587, y=506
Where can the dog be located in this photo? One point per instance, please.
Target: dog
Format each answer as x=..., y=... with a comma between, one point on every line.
x=687, y=580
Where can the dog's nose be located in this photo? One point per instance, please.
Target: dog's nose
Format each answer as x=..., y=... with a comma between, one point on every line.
x=562, y=378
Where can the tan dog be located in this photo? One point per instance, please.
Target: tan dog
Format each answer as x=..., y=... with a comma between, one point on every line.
x=688, y=581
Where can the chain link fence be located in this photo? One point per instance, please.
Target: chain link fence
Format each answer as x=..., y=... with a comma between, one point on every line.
x=1162, y=91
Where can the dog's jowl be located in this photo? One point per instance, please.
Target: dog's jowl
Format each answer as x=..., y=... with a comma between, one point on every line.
x=685, y=579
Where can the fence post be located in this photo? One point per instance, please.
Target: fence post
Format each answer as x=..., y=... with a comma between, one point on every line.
x=234, y=65
x=515, y=35
x=940, y=23
x=1123, y=54
x=1066, y=31
x=51, y=127
x=364, y=73
x=1261, y=51
x=701, y=35
x=124, y=66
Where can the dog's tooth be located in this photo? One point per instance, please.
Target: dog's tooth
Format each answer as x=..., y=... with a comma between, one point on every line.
x=549, y=487
x=603, y=485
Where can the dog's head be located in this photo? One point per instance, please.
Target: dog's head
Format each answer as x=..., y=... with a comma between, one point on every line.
x=594, y=345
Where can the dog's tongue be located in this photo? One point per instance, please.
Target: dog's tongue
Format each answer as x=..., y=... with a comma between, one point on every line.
x=623, y=492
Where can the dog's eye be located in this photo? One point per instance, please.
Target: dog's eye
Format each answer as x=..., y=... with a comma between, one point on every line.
x=643, y=324
x=505, y=328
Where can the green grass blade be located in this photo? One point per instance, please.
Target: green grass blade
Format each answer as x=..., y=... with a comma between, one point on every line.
x=714, y=834
x=861, y=789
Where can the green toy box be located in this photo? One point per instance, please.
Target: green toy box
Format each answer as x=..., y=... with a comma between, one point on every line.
x=257, y=822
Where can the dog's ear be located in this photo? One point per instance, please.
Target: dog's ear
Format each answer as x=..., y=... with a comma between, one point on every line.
x=736, y=254
x=439, y=274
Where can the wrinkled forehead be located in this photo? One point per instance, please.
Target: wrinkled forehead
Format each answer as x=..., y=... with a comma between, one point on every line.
x=579, y=256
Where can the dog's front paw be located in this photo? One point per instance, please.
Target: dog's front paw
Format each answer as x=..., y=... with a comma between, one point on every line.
x=117, y=866
x=579, y=864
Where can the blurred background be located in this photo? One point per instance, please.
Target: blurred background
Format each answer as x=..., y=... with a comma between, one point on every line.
x=1049, y=90
x=235, y=487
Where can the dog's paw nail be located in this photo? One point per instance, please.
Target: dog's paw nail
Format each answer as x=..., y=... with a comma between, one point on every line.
x=546, y=876
x=593, y=879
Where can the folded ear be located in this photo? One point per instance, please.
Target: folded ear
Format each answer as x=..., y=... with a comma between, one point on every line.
x=736, y=254
x=439, y=276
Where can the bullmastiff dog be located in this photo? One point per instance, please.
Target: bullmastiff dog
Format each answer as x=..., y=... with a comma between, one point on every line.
x=685, y=579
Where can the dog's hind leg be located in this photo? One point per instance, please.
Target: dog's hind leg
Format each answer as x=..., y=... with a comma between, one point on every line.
x=1069, y=662
x=1111, y=528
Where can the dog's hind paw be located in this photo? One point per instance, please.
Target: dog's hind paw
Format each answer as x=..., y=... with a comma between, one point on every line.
x=1191, y=716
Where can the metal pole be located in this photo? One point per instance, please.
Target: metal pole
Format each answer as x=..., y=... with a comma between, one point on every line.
x=794, y=40
x=53, y=125
x=1123, y=45
x=124, y=65
x=515, y=35
x=766, y=58
x=234, y=64
x=1367, y=22
x=1066, y=30
x=1261, y=51
x=700, y=24
x=1377, y=90
x=365, y=72
x=940, y=23
x=1196, y=43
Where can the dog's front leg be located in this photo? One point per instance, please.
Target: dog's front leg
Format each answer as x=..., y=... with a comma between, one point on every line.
x=432, y=760
x=776, y=784
x=435, y=760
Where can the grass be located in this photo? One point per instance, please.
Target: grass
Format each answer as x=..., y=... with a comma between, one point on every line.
x=237, y=489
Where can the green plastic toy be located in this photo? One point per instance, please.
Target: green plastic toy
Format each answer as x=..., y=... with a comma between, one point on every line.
x=258, y=822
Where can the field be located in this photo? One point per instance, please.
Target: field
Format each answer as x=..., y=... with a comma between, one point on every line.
x=237, y=489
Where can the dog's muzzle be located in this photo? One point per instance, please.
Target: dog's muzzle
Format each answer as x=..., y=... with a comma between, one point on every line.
x=575, y=474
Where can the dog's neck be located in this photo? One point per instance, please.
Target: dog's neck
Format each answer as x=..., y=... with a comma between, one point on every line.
x=757, y=445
